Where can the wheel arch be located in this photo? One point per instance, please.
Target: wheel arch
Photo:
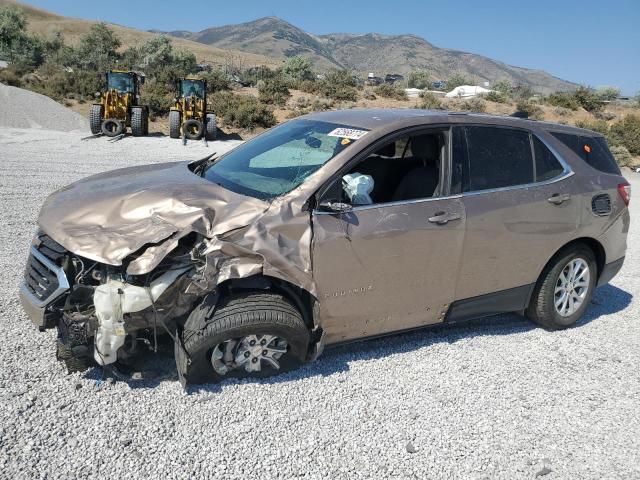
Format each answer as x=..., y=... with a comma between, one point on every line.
x=303, y=300
x=594, y=245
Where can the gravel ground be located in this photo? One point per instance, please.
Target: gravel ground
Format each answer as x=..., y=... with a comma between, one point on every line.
x=495, y=398
x=24, y=109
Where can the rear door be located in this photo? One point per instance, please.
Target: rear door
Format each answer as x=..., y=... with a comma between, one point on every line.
x=520, y=207
x=387, y=266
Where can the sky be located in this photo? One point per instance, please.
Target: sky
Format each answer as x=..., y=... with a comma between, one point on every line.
x=595, y=43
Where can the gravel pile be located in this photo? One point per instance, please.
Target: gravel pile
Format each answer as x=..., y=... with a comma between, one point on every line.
x=495, y=398
x=24, y=109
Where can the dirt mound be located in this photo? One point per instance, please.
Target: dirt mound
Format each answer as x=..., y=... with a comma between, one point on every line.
x=24, y=109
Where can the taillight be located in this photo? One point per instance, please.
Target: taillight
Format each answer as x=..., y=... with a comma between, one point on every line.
x=624, y=189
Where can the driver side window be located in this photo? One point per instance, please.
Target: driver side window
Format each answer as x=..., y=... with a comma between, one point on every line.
x=406, y=168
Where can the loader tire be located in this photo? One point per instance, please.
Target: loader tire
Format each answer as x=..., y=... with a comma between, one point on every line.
x=175, y=120
x=211, y=130
x=112, y=128
x=193, y=129
x=95, y=119
x=137, y=121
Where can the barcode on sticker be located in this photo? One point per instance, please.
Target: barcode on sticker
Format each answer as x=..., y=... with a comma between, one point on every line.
x=350, y=133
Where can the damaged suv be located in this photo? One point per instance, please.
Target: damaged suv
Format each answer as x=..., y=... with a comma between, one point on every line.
x=329, y=228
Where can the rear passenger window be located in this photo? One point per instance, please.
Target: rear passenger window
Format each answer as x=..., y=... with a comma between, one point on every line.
x=497, y=158
x=547, y=165
x=593, y=150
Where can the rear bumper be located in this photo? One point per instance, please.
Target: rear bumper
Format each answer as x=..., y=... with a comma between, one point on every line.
x=609, y=271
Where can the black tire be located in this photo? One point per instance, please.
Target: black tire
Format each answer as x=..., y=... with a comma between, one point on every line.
x=95, y=119
x=112, y=128
x=193, y=129
x=250, y=313
x=146, y=122
x=542, y=308
x=211, y=129
x=137, y=121
x=175, y=120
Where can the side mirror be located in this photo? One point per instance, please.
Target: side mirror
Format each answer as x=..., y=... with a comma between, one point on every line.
x=334, y=207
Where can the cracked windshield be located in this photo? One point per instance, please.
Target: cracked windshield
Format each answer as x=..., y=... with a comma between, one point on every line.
x=281, y=159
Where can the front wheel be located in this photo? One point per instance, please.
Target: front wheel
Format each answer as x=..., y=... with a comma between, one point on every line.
x=565, y=288
x=252, y=334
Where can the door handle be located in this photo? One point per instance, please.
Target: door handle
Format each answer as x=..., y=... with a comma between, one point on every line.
x=558, y=199
x=442, y=218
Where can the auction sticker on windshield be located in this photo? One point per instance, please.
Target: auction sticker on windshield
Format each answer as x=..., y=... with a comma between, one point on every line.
x=350, y=133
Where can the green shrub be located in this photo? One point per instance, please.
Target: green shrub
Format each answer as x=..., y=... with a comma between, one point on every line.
x=430, y=102
x=563, y=100
x=158, y=96
x=608, y=93
x=562, y=111
x=622, y=155
x=503, y=86
x=474, y=105
x=389, y=91
x=599, y=126
x=338, y=85
x=496, y=96
x=626, y=132
x=456, y=80
x=308, y=86
x=298, y=69
x=273, y=91
x=241, y=111
x=9, y=76
x=532, y=110
x=217, y=81
x=419, y=79
x=588, y=99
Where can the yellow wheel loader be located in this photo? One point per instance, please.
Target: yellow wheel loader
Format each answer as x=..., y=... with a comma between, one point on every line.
x=118, y=106
x=189, y=116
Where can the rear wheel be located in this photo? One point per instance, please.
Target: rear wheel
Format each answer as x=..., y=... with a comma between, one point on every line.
x=112, y=128
x=565, y=288
x=252, y=334
x=193, y=129
x=175, y=120
x=211, y=130
x=137, y=121
x=95, y=119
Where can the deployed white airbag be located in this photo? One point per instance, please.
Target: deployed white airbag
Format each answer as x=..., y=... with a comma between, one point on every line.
x=358, y=186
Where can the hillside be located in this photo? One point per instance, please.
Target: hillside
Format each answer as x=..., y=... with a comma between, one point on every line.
x=277, y=38
x=43, y=23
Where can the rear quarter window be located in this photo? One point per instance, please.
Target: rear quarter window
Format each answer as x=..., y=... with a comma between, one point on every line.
x=593, y=150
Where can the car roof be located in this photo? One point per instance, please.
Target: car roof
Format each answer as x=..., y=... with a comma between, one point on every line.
x=387, y=118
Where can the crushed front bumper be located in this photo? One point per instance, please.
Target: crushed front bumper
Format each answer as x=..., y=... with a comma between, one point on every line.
x=44, y=283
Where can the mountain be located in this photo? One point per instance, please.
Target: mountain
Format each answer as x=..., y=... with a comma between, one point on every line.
x=43, y=22
x=270, y=36
x=372, y=52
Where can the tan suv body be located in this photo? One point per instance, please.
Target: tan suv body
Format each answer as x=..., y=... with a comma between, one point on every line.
x=329, y=228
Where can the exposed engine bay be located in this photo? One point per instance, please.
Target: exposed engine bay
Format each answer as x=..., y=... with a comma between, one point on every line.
x=105, y=314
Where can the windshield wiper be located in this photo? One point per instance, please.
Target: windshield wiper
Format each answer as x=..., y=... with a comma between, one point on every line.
x=202, y=164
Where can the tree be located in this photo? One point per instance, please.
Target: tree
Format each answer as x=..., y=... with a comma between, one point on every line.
x=298, y=69
x=456, y=80
x=98, y=49
x=419, y=79
x=16, y=45
x=608, y=93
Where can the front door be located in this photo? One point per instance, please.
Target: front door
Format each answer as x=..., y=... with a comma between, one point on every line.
x=389, y=265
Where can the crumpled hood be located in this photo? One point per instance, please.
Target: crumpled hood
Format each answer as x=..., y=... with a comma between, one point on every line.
x=108, y=216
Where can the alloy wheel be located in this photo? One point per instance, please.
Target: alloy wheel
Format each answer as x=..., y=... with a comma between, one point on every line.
x=572, y=287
